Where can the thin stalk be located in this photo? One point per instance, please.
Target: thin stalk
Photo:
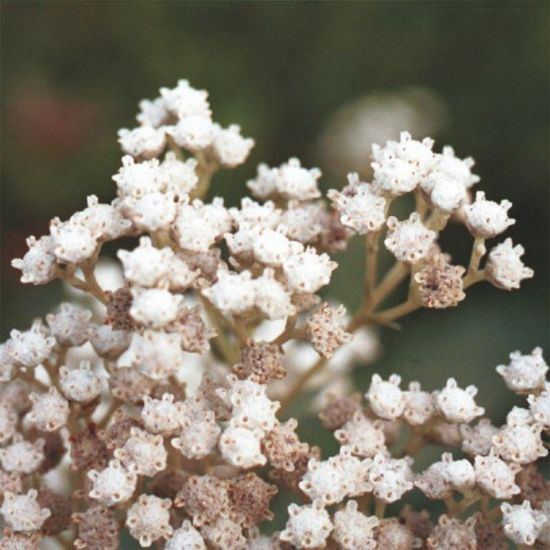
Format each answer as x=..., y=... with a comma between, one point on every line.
x=372, y=241
x=380, y=508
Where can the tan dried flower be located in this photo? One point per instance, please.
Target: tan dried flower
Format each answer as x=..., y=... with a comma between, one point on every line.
x=119, y=303
x=88, y=450
x=204, y=498
x=533, y=486
x=250, y=497
x=326, y=329
x=194, y=332
x=260, y=362
x=339, y=410
x=119, y=431
x=97, y=529
x=439, y=283
x=282, y=446
x=60, y=507
x=489, y=535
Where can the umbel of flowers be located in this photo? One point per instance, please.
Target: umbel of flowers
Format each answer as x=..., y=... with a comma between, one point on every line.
x=160, y=407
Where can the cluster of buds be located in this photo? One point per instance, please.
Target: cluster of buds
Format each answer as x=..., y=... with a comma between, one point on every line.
x=158, y=407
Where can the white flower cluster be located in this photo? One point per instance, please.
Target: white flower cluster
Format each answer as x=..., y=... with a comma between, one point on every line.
x=162, y=402
x=498, y=457
x=443, y=181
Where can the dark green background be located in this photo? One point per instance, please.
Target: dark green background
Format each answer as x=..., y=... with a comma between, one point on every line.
x=73, y=72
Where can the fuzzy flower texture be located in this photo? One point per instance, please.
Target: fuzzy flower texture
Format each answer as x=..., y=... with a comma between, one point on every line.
x=159, y=406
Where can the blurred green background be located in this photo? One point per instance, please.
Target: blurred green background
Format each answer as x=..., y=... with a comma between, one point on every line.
x=73, y=73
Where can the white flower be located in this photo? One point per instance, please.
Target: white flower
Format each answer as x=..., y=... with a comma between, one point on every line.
x=232, y=292
x=459, y=473
x=419, y=405
x=296, y=182
x=22, y=512
x=104, y=221
x=265, y=183
x=271, y=246
x=448, y=194
x=146, y=265
x=194, y=132
x=478, y=439
x=148, y=519
x=486, y=219
x=525, y=373
x=156, y=354
x=241, y=242
x=199, y=433
x=520, y=443
x=519, y=416
x=136, y=179
x=230, y=148
x=271, y=297
x=540, y=407
x=152, y=113
x=394, y=176
x=304, y=221
x=331, y=481
x=107, y=342
x=252, y=213
x=449, y=167
x=409, y=240
x=49, y=410
x=307, y=271
x=70, y=324
x=184, y=100
x=362, y=435
x=456, y=404
x=143, y=453
x=38, y=265
x=180, y=276
x=160, y=415
x=31, y=347
x=154, y=307
x=251, y=407
x=495, y=477
x=178, y=177
x=73, y=243
x=241, y=447
x=504, y=267
x=417, y=153
x=361, y=209
x=521, y=523
x=81, y=384
x=391, y=478
x=151, y=212
x=23, y=457
x=185, y=537
x=308, y=526
x=197, y=226
x=354, y=530
x=112, y=485
x=143, y=141
x=386, y=398
x=434, y=483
